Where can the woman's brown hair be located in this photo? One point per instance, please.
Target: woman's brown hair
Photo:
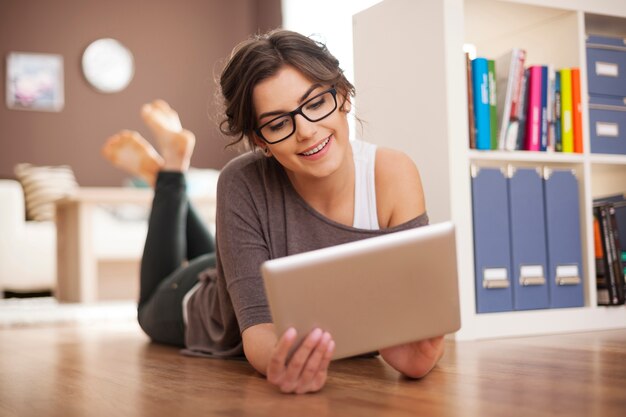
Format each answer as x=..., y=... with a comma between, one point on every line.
x=263, y=56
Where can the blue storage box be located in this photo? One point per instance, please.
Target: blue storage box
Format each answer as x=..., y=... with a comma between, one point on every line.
x=606, y=65
x=607, y=124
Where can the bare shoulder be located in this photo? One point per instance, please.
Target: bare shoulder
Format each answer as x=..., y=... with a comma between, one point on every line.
x=399, y=192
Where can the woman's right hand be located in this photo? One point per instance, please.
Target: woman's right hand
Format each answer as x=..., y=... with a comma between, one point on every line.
x=307, y=369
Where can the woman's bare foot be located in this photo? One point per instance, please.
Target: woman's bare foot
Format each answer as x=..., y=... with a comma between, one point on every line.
x=176, y=144
x=129, y=151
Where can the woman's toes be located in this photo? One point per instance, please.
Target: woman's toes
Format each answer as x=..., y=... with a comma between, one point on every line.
x=161, y=119
x=129, y=151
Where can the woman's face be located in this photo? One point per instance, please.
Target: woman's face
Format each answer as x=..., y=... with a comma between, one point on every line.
x=315, y=149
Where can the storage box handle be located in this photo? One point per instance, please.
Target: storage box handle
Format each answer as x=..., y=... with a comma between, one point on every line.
x=607, y=69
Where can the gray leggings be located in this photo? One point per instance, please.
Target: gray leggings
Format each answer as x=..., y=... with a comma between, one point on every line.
x=176, y=234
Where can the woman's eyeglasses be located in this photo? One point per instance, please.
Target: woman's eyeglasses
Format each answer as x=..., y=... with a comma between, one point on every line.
x=314, y=109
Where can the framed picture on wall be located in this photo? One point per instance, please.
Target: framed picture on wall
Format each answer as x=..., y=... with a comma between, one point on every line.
x=34, y=81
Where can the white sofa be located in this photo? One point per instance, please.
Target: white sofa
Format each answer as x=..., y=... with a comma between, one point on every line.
x=28, y=249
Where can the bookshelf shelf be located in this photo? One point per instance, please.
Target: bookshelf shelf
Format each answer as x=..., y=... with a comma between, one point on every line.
x=536, y=322
x=410, y=70
x=608, y=159
x=526, y=156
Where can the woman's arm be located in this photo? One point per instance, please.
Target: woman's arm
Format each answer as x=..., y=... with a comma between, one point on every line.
x=243, y=245
x=258, y=343
x=400, y=198
x=305, y=371
x=415, y=359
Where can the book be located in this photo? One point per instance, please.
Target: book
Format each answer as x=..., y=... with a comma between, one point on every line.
x=612, y=267
x=470, y=102
x=618, y=249
x=577, y=111
x=493, y=114
x=567, y=134
x=620, y=218
x=533, y=117
x=517, y=83
x=481, y=103
x=517, y=103
x=511, y=135
x=509, y=73
x=619, y=204
x=522, y=111
x=551, y=113
x=504, y=83
x=601, y=282
x=558, y=145
x=543, y=144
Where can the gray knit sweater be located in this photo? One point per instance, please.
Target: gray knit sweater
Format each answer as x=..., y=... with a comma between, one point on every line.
x=260, y=216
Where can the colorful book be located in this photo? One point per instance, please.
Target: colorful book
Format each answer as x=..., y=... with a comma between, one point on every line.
x=619, y=203
x=517, y=82
x=577, y=111
x=470, y=102
x=480, y=85
x=543, y=144
x=533, y=118
x=551, y=113
x=602, y=285
x=558, y=145
x=508, y=67
x=517, y=102
x=618, y=250
x=567, y=133
x=493, y=114
x=522, y=112
x=613, y=271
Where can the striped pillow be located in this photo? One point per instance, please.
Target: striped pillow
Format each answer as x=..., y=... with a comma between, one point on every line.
x=43, y=185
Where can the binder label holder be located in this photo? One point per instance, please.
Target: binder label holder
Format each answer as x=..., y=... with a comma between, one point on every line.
x=531, y=275
x=495, y=278
x=567, y=275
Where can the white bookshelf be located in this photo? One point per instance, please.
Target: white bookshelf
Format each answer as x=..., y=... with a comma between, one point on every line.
x=411, y=95
x=522, y=156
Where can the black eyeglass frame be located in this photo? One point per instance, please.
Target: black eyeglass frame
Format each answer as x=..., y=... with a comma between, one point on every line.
x=297, y=111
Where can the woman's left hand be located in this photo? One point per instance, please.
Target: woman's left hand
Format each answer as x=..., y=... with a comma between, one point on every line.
x=415, y=359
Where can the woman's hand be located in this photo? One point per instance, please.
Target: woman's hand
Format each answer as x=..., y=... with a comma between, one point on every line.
x=306, y=371
x=415, y=359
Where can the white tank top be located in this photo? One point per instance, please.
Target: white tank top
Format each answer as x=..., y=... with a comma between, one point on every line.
x=365, y=213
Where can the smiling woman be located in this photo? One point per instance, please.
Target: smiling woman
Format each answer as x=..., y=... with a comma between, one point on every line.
x=309, y=187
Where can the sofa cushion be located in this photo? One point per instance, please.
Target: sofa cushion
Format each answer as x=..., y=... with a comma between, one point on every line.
x=43, y=185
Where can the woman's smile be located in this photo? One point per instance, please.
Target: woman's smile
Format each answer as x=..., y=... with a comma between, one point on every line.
x=317, y=151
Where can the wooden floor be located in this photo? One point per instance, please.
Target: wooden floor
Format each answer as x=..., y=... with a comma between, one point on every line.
x=112, y=370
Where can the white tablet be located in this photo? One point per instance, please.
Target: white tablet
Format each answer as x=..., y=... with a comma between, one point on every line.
x=369, y=294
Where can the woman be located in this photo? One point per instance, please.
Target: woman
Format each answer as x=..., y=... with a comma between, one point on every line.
x=308, y=187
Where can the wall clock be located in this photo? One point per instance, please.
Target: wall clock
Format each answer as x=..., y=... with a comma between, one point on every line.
x=108, y=65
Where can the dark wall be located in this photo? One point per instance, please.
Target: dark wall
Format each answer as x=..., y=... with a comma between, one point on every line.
x=178, y=47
